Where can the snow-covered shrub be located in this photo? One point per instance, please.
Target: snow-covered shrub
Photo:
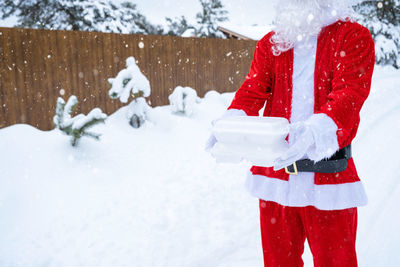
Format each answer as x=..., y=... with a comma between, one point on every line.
x=131, y=82
x=77, y=126
x=183, y=99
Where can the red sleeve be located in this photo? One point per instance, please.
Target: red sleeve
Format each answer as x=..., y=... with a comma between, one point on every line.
x=251, y=96
x=353, y=66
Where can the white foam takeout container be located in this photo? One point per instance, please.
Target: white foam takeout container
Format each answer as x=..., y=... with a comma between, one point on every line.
x=250, y=129
x=259, y=140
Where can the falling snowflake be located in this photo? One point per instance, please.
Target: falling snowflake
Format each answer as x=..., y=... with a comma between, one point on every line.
x=310, y=17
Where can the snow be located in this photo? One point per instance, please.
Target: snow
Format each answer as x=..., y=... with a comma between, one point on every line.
x=255, y=32
x=153, y=197
x=138, y=107
x=64, y=118
x=8, y=22
x=189, y=33
x=183, y=99
x=81, y=120
x=129, y=81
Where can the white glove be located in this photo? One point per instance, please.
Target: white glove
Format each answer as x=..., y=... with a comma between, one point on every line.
x=315, y=138
x=302, y=141
x=211, y=141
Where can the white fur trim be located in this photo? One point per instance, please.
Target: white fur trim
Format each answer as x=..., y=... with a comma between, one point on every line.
x=298, y=192
x=303, y=81
x=324, y=130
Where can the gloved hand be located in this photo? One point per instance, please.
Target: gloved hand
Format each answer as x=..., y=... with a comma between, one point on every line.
x=211, y=141
x=315, y=137
x=302, y=140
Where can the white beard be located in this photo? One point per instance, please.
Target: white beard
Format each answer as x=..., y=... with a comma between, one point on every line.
x=298, y=20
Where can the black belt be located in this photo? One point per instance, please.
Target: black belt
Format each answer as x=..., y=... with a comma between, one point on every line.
x=336, y=163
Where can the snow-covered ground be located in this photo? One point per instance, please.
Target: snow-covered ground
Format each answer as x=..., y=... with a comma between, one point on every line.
x=153, y=197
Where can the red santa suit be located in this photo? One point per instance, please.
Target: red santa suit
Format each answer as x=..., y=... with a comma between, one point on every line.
x=324, y=82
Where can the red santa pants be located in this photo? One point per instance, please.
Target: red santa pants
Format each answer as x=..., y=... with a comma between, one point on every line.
x=330, y=234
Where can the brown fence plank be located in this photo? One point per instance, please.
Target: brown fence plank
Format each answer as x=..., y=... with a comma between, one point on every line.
x=10, y=104
x=38, y=89
x=27, y=77
x=63, y=66
x=3, y=77
x=2, y=85
x=18, y=89
x=39, y=63
x=107, y=58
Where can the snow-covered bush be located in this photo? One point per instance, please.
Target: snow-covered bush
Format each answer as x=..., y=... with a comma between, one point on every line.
x=183, y=99
x=77, y=126
x=131, y=82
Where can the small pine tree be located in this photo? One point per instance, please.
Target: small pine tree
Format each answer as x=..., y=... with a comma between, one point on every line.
x=212, y=13
x=77, y=126
x=131, y=82
x=382, y=18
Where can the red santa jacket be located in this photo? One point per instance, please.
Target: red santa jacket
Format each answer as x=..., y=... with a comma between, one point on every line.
x=342, y=80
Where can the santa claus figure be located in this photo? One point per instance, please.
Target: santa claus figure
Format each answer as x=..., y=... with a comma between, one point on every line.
x=315, y=70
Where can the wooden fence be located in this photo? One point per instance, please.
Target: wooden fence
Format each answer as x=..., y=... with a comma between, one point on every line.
x=37, y=66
